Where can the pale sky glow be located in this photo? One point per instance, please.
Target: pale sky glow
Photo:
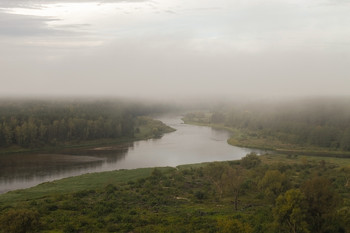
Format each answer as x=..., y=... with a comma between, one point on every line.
x=163, y=49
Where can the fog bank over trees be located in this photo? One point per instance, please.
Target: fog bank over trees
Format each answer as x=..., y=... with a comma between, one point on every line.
x=323, y=122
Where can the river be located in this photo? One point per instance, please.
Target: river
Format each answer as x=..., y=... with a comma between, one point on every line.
x=188, y=144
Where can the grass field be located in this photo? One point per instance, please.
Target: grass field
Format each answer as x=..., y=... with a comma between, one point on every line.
x=77, y=183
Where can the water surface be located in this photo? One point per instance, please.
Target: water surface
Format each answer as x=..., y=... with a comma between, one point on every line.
x=188, y=144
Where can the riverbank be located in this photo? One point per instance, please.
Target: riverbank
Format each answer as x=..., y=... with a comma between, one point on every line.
x=255, y=140
x=102, y=179
x=188, y=145
x=188, y=198
x=149, y=128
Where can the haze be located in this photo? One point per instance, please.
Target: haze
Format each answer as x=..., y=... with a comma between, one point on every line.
x=174, y=48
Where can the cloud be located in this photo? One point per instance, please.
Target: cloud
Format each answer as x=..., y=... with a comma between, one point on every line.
x=24, y=26
x=263, y=48
x=38, y=3
x=21, y=25
x=169, y=69
x=338, y=2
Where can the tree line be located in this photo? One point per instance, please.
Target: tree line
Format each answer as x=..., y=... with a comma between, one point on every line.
x=38, y=123
x=323, y=123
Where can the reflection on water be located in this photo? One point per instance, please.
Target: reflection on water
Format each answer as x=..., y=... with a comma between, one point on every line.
x=32, y=169
x=188, y=144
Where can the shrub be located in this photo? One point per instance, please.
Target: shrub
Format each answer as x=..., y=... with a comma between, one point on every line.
x=250, y=160
x=19, y=221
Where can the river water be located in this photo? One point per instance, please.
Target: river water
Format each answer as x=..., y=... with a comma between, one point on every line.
x=188, y=144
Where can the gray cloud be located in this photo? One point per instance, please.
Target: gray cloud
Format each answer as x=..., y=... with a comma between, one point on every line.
x=37, y=3
x=21, y=25
x=259, y=49
x=170, y=70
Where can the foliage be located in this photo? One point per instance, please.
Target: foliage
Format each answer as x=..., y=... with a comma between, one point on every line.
x=33, y=124
x=19, y=221
x=273, y=184
x=313, y=123
x=188, y=199
x=322, y=202
x=233, y=226
x=250, y=160
x=290, y=212
x=232, y=180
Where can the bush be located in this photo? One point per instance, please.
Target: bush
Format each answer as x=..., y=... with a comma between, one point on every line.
x=250, y=160
x=199, y=195
x=19, y=221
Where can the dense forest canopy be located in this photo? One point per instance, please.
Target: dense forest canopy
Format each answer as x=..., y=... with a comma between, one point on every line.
x=318, y=122
x=37, y=123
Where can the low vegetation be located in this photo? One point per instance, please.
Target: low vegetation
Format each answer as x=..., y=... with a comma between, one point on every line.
x=268, y=193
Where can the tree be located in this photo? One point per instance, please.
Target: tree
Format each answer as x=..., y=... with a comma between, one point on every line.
x=226, y=179
x=233, y=226
x=290, y=213
x=214, y=173
x=345, y=140
x=251, y=160
x=217, y=117
x=156, y=176
x=273, y=184
x=2, y=138
x=8, y=134
x=322, y=202
x=232, y=180
x=346, y=172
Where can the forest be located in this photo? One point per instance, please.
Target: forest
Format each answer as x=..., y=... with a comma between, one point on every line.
x=318, y=123
x=33, y=124
x=258, y=194
x=273, y=192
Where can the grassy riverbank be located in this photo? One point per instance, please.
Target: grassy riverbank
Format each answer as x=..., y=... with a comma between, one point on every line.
x=91, y=181
x=236, y=196
x=258, y=140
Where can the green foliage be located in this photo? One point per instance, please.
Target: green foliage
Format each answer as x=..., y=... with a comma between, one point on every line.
x=19, y=221
x=38, y=124
x=233, y=226
x=290, y=212
x=232, y=180
x=273, y=184
x=322, y=202
x=188, y=199
x=199, y=195
x=214, y=172
x=345, y=140
x=251, y=160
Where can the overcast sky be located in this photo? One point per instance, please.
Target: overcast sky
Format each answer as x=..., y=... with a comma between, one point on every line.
x=174, y=48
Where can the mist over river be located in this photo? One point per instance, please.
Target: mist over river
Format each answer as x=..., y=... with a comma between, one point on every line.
x=188, y=144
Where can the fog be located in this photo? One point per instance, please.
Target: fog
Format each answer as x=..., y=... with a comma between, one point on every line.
x=175, y=49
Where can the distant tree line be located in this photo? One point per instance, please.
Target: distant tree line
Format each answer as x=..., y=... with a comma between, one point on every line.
x=324, y=123
x=30, y=124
